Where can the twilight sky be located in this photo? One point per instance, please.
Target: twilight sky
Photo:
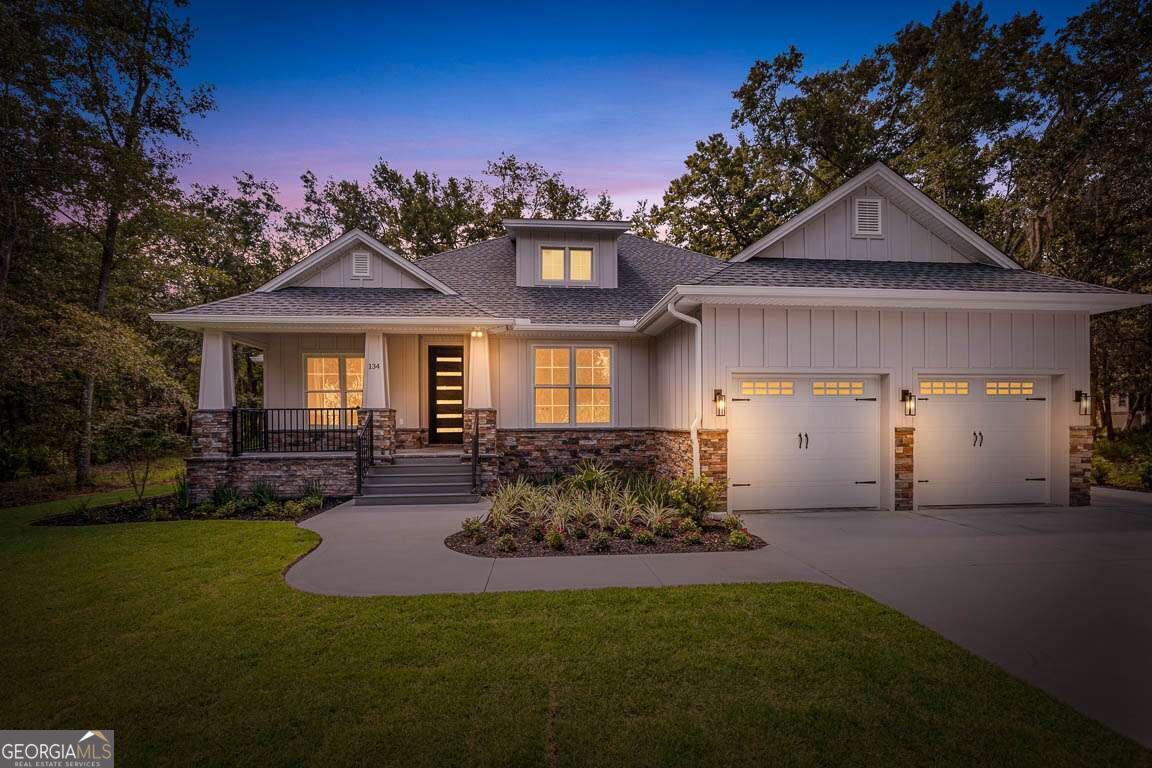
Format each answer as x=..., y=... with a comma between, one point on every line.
x=614, y=95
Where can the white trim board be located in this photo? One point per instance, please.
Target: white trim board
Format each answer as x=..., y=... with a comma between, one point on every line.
x=318, y=257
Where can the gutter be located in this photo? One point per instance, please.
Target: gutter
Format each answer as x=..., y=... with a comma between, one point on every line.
x=698, y=385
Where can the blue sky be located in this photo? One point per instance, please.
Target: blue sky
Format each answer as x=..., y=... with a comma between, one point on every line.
x=614, y=95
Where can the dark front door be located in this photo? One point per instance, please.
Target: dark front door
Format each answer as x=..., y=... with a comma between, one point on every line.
x=445, y=395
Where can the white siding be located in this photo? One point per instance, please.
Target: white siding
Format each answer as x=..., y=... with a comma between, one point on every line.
x=673, y=363
x=899, y=343
x=829, y=236
x=337, y=273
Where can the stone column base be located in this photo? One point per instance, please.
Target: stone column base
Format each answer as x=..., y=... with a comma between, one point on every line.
x=211, y=433
x=484, y=420
x=714, y=462
x=383, y=432
x=905, y=468
x=1080, y=440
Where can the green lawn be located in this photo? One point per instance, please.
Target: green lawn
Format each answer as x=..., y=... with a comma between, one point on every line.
x=184, y=639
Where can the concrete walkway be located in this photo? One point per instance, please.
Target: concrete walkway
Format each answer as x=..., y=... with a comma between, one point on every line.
x=1059, y=597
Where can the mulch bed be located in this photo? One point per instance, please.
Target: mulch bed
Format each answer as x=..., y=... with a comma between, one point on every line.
x=154, y=510
x=714, y=538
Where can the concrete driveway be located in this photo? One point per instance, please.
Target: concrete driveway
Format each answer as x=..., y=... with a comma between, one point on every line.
x=1059, y=597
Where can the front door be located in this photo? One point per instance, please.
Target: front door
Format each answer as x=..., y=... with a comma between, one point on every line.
x=445, y=395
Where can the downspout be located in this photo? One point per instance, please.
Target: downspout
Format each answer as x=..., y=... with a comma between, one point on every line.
x=698, y=386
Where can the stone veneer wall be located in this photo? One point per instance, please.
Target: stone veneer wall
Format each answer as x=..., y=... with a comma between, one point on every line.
x=383, y=432
x=905, y=467
x=489, y=457
x=411, y=438
x=1080, y=441
x=538, y=453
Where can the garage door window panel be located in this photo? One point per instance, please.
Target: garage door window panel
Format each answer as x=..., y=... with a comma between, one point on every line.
x=944, y=387
x=767, y=388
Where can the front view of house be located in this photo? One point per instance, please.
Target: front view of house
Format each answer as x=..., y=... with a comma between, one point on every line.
x=872, y=352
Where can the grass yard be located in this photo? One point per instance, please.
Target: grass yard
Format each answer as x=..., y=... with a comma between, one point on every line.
x=184, y=639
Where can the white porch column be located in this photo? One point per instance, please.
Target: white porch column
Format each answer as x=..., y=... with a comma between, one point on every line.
x=217, y=382
x=479, y=378
x=375, y=370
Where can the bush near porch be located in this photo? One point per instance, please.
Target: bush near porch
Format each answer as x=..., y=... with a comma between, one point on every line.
x=1125, y=462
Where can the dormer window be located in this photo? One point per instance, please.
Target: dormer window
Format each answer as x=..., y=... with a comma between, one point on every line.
x=564, y=265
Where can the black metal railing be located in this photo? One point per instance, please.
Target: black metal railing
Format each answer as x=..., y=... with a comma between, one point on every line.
x=294, y=430
x=365, y=451
x=475, y=451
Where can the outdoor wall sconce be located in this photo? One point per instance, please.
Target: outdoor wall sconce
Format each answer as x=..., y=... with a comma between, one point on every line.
x=720, y=402
x=1084, y=400
x=477, y=334
x=909, y=401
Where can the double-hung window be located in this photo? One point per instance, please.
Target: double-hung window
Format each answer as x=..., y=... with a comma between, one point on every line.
x=333, y=381
x=572, y=385
x=565, y=265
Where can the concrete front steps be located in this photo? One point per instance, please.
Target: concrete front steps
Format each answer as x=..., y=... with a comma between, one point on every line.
x=428, y=479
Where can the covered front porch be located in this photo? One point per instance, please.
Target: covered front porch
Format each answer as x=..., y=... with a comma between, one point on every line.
x=337, y=404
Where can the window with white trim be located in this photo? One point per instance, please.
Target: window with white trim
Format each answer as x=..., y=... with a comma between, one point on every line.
x=837, y=388
x=333, y=381
x=768, y=387
x=1015, y=387
x=572, y=385
x=944, y=387
x=565, y=264
x=868, y=217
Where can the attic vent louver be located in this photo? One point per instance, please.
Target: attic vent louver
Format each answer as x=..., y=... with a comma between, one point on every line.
x=868, y=219
x=361, y=264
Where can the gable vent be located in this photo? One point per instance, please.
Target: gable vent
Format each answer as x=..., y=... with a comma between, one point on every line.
x=868, y=218
x=361, y=264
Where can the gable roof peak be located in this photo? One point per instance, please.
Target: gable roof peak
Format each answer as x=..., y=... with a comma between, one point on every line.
x=332, y=250
x=902, y=192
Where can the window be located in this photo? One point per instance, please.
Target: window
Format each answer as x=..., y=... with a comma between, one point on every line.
x=333, y=381
x=867, y=219
x=837, y=388
x=361, y=264
x=565, y=265
x=770, y=388
x=944, y=387
x=572, y=385
x=1009, y=387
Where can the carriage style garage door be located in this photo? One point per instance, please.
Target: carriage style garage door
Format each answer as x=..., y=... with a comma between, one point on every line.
x=982, y=440
x=804, y=442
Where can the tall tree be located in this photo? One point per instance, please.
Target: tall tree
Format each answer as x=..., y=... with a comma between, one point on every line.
x=124, y=88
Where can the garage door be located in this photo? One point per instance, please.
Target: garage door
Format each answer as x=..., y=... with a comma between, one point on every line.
x=804, y=442
x=982, y=440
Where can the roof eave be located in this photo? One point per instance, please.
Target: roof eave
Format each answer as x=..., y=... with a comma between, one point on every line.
x=324, y=323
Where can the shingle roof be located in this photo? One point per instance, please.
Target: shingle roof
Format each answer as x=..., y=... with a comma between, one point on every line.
x=485, y=275
x=906, y=275
x=363, y=302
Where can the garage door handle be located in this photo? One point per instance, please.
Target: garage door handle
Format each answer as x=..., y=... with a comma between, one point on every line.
x=974, y=439
x=805, y=441
x=981, y=439
x=800, y=438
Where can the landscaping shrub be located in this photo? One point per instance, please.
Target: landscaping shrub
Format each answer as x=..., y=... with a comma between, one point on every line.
x=663, y=529
x=694, y=498
x=693, y=539
x=536, y=532
x=732, y=521
x=272, y=509
x=623, y=531
x=263, y=493
x=591, y=476
x=506, y=543
x=740, y=539
x=554, y=540
x=222, y=494
x=688, y=525
x=646, y=538
x=601, y=542
x=472, y=526
x=183, y=493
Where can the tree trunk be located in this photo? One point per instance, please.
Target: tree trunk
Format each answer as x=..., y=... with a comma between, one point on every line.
x=84, y=443
x=7, y=248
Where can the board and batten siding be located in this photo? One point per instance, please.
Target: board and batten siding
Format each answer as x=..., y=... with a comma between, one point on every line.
x=899, y=343
x=673, y=367
x=604, y=255
x=337, y=273
x=513, y=378
x=829, y=236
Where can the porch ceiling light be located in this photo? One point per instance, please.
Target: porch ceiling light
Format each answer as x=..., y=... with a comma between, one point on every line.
x=720, y=402
x=909, y=401
x=1084, y=400
x=477, y=333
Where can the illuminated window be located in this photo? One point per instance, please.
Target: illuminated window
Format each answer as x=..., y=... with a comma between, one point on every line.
x=944, y=387
x=565, y=265
x=572, y=385
x=768, y=387
x=1009, y=387
x=552, y=264
x=837, y=388
x=333, y=381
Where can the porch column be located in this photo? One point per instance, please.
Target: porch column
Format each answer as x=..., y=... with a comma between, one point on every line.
x=217, y=383
x=479, y=377
x=375, y=371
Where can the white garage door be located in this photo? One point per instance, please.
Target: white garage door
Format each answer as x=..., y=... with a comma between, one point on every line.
x=804, y=442
x=982, y=440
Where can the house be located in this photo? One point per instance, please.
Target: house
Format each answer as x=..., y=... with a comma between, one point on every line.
x=872, y=352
